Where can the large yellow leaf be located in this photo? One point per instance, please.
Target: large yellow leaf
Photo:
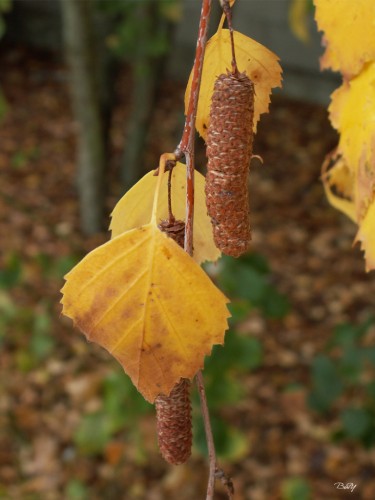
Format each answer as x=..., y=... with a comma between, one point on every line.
x=260, y=64
x=150, y=305
x=349, y=33
x=135, y=207
x=352, y=113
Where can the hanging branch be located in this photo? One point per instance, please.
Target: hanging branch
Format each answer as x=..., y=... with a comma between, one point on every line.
x=187, y=148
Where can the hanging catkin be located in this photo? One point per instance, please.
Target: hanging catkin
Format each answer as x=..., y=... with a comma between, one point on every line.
x=229, y=150
x=173, y=412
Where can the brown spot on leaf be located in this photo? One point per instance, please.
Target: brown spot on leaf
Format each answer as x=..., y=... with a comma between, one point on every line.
x=167, y=253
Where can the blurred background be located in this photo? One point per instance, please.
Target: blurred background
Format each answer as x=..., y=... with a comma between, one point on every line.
x=91, y=93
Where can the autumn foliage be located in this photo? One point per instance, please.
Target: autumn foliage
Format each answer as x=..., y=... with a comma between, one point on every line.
x=140, y=295
x=349, y=171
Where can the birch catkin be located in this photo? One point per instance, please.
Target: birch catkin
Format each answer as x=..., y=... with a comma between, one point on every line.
x=229, y=150
x=173, y=412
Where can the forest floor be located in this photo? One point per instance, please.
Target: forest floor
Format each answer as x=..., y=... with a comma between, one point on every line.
x=51, y=377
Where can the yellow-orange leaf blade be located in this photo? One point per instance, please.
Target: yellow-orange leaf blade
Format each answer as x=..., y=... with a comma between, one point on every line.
x=366, y=236
x=338, y=184
x=260, y=64
x=150, y=305
x=352, y=113
x=349, y=33
x=135, y=207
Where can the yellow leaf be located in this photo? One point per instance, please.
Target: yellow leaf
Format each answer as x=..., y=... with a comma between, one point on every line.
x=260, y=64
x=146, y=301
x=298, y=19
x=135, y=207
x=352, y=113
x=339, y=179
x=349, y=33
x=366, y=236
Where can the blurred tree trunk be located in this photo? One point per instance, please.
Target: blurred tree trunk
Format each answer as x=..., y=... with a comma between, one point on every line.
x=78, y=25
x=147, y=68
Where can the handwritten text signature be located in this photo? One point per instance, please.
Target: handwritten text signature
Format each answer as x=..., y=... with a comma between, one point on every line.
x=347, y=486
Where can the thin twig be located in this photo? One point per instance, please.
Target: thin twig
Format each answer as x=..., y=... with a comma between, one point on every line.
x=186, y=148
x=226, y=481
x=209, y=436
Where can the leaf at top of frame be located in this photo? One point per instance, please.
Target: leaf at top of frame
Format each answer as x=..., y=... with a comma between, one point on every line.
x=260, y=64
x=349, y=34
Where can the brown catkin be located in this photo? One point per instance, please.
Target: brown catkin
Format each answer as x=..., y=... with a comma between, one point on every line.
x=173, y=420
x=173, y=412
x=229, y=150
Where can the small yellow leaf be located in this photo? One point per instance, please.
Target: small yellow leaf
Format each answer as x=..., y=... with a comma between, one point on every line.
x=146, y=301
x=349, y=33
x=352, y=113
x=260, y=64
x=366, y=236
x=135, y=207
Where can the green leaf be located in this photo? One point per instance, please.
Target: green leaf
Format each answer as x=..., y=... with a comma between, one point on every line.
x=93, y=433
x=238, y=353
x=230, y=443
x=356, y=422
x=41, y=345
x=346, y=335
x=249, y=353
x=369, y=354
x=256, y=261
x=243, y=282
x=295, y=488
x=122, y=402
x=239, y=310
x=11, y=274
x=370, y=389
x=274, y=305
x=76, y=490
x=327, y=384
x=351, y=364
x=223, y=391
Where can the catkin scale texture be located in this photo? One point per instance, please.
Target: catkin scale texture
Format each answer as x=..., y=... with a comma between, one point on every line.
x=229, y=151
x=173, y=420
x=173, y=412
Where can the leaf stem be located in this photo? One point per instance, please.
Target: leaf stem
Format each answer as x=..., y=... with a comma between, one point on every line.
x=228, y=13
x=161, y=169
x=171, y=218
